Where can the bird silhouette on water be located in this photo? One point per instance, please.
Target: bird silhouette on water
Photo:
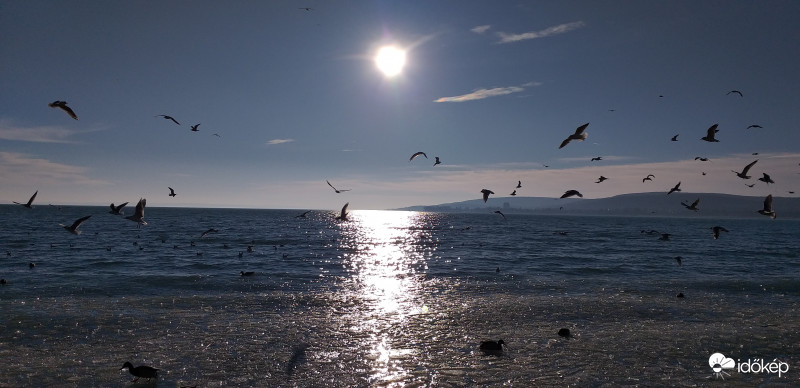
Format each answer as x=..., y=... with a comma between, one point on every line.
x=28, y=204
x=64, y=107
x=344, y=214
x=138, y=214
x=715, y=230
x=492, y=347
x=579, y=134
x=140, y=371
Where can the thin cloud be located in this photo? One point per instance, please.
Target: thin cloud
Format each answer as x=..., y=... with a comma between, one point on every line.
x=17, y=168
x=481, y=29
x=42, y=134
x=555, y=30
x=486, y=93
x=279, y=141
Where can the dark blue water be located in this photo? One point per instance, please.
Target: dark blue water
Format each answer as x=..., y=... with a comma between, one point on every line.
x=392, y=298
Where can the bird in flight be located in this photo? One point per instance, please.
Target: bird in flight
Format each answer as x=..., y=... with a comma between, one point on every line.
x=335, y=189
x=578, y=135
x=212, y=230
x=138, y=214
x=486, y=193
x=676, y=188
x=743, y=174
x=702, y=159
x=171, y=192
x=716, y=230
x=735, y=92
x=305, y=8
x=750, y=185
x=215, y=134
x=343, y=215
x=519, y=184
x=30, y=201
x=64, y=107
x=709, y=137
x=417, y=154
x=570, y=193
x=74, y=227
x=693, y=206
x=602, y=178
x=596, y=158
x=675, y=138
x=767, y=210
x=649, y=177
x=169, y=118
x=500, y=213
x=513, y=193
x=766, y=178
x=437, y=161
x=194, y=128
x=117, y=210
x=754, y=126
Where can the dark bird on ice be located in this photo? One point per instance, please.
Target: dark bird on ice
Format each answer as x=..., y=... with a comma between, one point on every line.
x=674, y=189
x=735, y=92
x=140, y=371
x=486, y=193
x=335, y=189
x=767, y=210
x=602, y=178
x=117, y=210
x=212, y=230
x=194, y=128
x=766, y=178
x=754, y=126
x=171, y=192
x=343, y=215
x=169, y=118
x=74, y=227
x=578, y=135
x=649, y=177
x=710, y=133
x=570, y=193
x=596, y=158
x=716, y=229
x=492, y=346
x=437, y=161
x=64, y=107
x=500, y=213
x=29, y=204
x=138, y=214
x=417, y=154
x=693, y=206
x=675, y=138
x=743, y=174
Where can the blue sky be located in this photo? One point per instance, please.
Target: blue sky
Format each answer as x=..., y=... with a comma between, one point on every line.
x=492, y=88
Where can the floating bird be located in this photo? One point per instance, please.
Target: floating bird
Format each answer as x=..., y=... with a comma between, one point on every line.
x=117, y=210
x=702, y=159
x=519, y=184
x=437, y=161
x=693, y=206
x=602, y=178
x=500, y=213
x=743, y=174
x=212, y=230
x=596, y=158
x=678, y=260
x=74, y=227
x=716, y=230
x=754, y=126
x=64, y=107
x=492, y=346
x=578, y=135
x=709, y=137
x=513, y=193
x=303, y=215
x=138, y=215
x=30, y=201
x=486, y=193
x=31, y=265
x=170, y=118
x=335, y=189
x=676, y=188
x=664, y=237
x=767, y=210
x=171, y=192
x=140, y=371
x=343, y=215
x=649, y=177
x=570, y=193
x=675, y=138
x=417, y=154
x=651, y=231
x=248, y=273
x=766, y=178
x=736, y=92
x=564, y=332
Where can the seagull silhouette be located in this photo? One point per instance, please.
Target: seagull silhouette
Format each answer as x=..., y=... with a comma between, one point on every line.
x=212, y=230
x=743, y=174
x=675, y=138
x=169, y=118
x=602, y=178
x=693, y=206
x=194, y=128
x=754, y=126
x=303, y=215
x=578, y=135
x=437, y=161
x=64, y=107
x=117, y=210
x=141, y=371
x=649, y=177
x=500, y=213
x=138, y=215
x=702, y=159
x=735, y=92
x=74, y=227
x=709, y=137
x=596, y=158
x=171, y=192
x=519, y=184
x=674, y=189
x=335, y=189
x=417, y=154
x=716, y=230
x=570, y=193
x=766, y=178
x=28, y=205
x=486, y=193
x=343, y=215
x=767, y=210
x=513, y=193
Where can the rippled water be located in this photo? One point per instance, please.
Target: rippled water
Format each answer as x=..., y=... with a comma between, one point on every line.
x=392, y=299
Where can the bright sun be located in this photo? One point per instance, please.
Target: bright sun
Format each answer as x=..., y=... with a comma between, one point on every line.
x=390, y=60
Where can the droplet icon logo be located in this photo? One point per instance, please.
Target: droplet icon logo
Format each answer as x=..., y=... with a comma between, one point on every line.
x=718, y=362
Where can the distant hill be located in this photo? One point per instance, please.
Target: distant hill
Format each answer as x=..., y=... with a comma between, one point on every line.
x=658, y=203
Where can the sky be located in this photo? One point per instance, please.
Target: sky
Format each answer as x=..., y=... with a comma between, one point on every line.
x=288, y=97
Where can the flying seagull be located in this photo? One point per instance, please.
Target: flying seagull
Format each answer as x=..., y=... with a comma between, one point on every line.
x=437, y=161
x=676, y=188
x=519, y=184
x=649, y=177
x=171, y=192
x=693, y=206
x=602, y=178
x=766, y=178
x=343, y=216
x=212, y=230
x=709, y=137
x=750, y=185
x=74, y=227
x=486, y=193
x=743, y=174
x=169, y=118
x=30, y=201
x=700, y=158
x=417, y=154
x=717, y=229
x=500, y=213
x=735, y=92
x=335, y=189
x=141, y=371
x=117, y=210
x=754, y=126
x=675, y=138
x=578, y=135
x=767, y=210
x=64, y=107
x=513, y=193
x=596, y=158
x=194, y=128
x=138, y=215
x=570, y=193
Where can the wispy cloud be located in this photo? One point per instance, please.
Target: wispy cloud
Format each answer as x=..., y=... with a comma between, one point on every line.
x=279, y=141
x=17, y=168
x=486, y=93
x=555, y=30
x=481, y=29
x=41, y=134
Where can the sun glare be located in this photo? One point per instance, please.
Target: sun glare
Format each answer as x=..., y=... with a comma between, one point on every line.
x=390, y=60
